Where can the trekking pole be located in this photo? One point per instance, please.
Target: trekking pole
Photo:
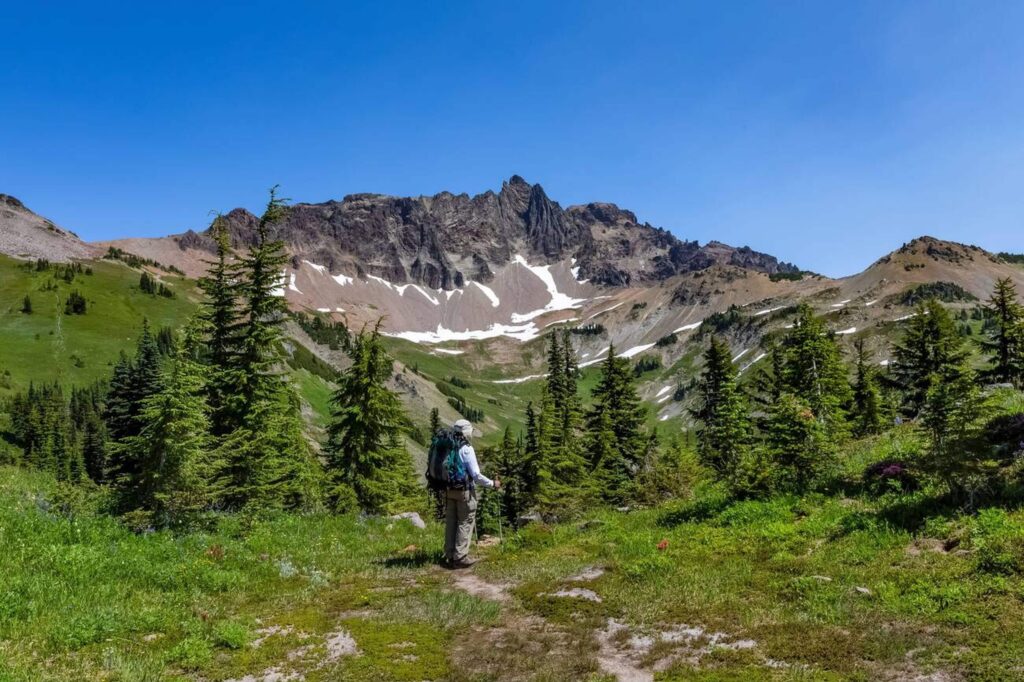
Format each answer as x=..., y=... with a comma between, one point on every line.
x=501, y=535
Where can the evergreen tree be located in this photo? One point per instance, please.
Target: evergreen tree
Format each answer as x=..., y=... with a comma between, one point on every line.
x=1005, y=334
x=75, y=303
x=146, y=283
x=867, y=397
x=796, y=444
x=436, y=497
x=561, y=470
x=131, y=385
x=26, y=305
x=952, y=415
x=177, y=473
x=118, y=412
x=929, y=346
x=94, y=446
x=509, y=466
x=531, y=454
x=255, y=410
x=670, y=472
x=814, y=372
x=220, y=312
x=366, y=459
x=617, y=420
x=724, y=432
x=254, y=374
x=268, y=459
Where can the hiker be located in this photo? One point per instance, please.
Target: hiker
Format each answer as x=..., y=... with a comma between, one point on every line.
x=460, y=500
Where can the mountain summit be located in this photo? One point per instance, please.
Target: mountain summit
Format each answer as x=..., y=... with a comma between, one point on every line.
x=446, y=240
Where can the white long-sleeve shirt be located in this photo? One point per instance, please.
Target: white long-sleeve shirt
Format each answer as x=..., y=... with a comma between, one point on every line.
x=468, y=455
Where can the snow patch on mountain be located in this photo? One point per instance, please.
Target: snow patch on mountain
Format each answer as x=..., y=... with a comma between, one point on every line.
x=688, y=327
x=559, y=300
x=523, y=332
x=636, y=350
x=489, y=293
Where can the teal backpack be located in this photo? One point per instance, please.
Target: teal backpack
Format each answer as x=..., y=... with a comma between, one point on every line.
x=445, y=468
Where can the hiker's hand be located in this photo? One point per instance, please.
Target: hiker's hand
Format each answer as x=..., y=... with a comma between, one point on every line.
x=497, y=484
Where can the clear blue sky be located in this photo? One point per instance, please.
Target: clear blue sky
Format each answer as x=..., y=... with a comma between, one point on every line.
x=826, y=133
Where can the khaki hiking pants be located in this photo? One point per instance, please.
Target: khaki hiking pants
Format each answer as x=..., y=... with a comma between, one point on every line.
x=460, y=518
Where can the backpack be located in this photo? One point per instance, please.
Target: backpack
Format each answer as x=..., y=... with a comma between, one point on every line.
x=445, y=468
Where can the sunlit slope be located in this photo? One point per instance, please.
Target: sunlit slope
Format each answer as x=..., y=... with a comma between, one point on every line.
x=49, y=345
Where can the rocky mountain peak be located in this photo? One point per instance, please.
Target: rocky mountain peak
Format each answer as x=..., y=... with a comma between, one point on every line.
x=444, y=240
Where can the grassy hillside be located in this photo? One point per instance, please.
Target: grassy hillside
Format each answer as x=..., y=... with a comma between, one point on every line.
x=49, y=345
x=844, y=587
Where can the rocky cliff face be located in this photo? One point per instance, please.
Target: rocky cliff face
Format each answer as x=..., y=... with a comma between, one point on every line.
x=445, y=240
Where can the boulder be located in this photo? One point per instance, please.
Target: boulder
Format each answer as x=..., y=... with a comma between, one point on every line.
x=411, y=517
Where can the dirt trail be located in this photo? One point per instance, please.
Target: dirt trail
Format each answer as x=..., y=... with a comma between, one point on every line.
x=611, y=659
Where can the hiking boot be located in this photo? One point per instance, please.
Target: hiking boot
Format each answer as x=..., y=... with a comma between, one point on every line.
x=465, y=562
x=447, y=563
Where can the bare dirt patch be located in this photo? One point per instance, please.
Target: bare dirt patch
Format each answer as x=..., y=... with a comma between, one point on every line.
x=473, y=584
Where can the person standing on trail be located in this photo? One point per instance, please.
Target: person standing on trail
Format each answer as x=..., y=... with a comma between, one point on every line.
x=461, y=502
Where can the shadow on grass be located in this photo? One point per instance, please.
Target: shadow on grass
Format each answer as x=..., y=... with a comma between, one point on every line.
x=700, y=509
x=417, y=559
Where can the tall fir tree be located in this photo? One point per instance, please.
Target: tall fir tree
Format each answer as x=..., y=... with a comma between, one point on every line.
x=952, y=415
x=256, y=410
x=1005, y=334
x=797, y=445
x=867, y=411
x=269, y=461
x=436, y=497
x=179, y=473
x=255, y=366
x=561, y=469
x=930, y=345
x=617, y=417
x=132, y=384
x=509, y=466
x=724, y=431
x=814, y=371
x=366, y=458
x=220, y=312
x=531, y=453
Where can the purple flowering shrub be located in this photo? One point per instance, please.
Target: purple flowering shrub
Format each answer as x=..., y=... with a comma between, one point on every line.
x=889, y=476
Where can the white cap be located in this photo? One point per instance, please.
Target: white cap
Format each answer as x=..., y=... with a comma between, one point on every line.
x=464, y=426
